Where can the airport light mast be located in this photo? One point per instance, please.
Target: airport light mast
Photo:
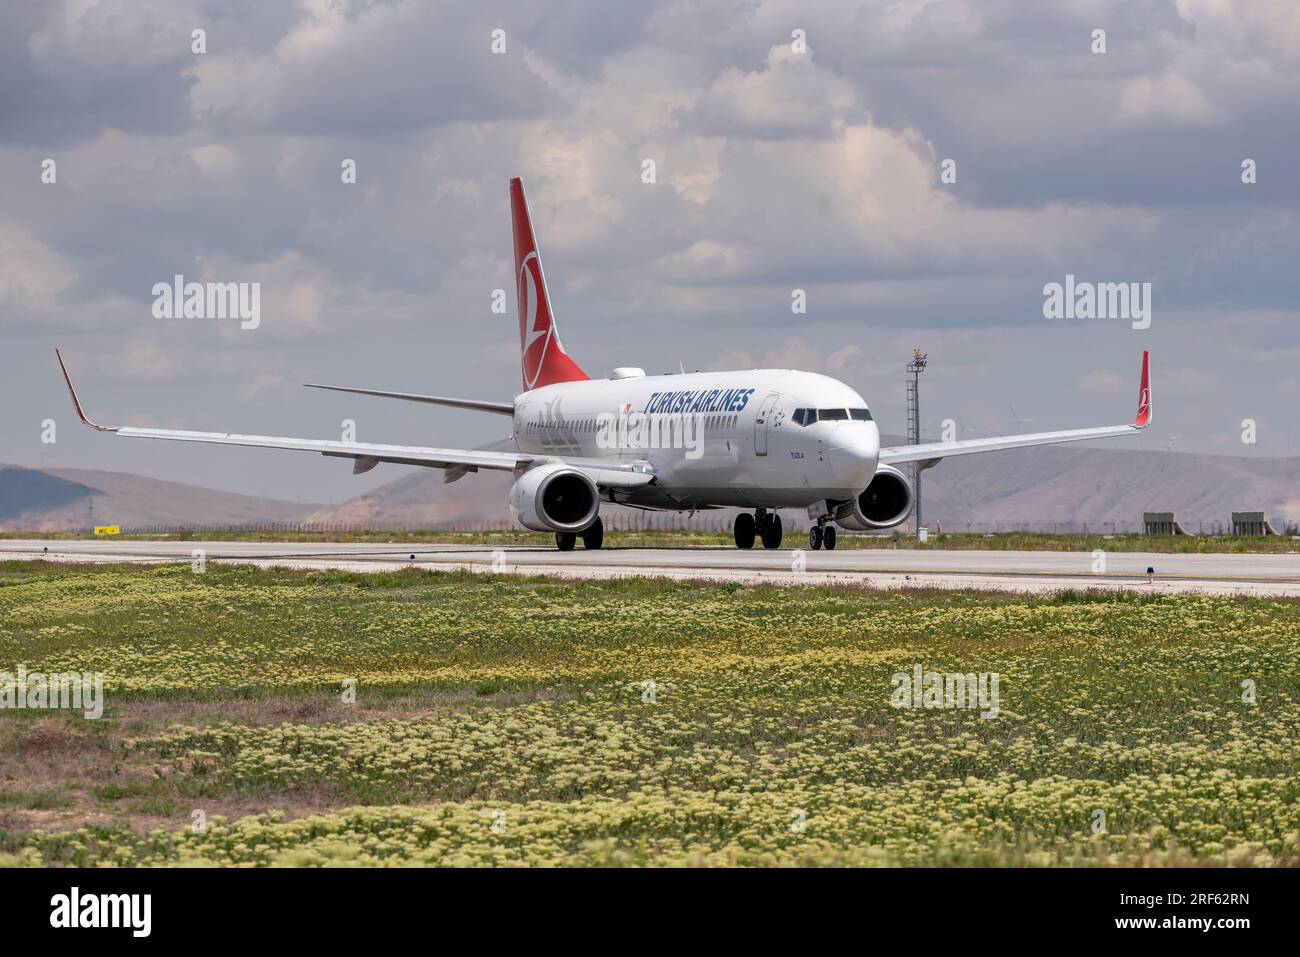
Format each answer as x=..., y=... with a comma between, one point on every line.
x=915, y=368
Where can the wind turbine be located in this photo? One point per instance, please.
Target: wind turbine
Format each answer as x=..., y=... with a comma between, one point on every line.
x=1020, y=423
x=960, y=428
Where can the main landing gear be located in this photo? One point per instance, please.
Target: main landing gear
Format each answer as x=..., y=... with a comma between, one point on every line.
x=744, y=530
x=762, y=524
x=593, y=536
x=821, y=534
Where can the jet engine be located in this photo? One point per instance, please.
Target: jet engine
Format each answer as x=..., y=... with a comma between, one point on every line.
x=554, y=498
x=886, y=502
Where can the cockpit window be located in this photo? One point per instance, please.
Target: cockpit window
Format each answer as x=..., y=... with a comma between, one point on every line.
x=810, y=416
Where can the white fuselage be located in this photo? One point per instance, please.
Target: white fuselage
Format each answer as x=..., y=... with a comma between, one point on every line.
x=746, y=446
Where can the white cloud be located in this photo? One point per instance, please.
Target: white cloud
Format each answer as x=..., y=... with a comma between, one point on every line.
x=139, y=360
x=1169, y=97
x=216, y=161
x=34, y=275
x=840, y=357
x=789, y=97
x=259, y=387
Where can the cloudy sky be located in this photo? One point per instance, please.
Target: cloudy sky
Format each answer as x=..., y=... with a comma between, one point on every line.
x=776, y=168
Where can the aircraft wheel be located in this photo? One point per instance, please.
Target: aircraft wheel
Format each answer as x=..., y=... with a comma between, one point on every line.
x=744, y=530
x=815, y=537
x=565, y=541
x=593, y=536
x=772, y=533
x=828, y=537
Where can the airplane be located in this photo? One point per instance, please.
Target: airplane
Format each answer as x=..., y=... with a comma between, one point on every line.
x=759, y=439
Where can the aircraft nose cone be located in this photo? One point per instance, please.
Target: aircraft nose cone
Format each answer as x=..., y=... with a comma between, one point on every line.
x=853, y=451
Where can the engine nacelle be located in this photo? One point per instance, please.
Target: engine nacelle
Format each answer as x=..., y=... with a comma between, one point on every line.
x=554, y=498
x=886, y=502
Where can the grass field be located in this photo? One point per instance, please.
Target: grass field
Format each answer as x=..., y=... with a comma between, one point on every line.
x=687, y=538
x=502, y=720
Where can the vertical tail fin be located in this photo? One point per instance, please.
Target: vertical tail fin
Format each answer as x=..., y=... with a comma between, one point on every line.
x=543, y=357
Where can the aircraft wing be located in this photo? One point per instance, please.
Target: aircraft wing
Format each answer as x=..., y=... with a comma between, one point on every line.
x=366, y=456
x=931, y=452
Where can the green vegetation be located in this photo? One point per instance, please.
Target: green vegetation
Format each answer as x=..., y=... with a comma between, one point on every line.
x=504, y=720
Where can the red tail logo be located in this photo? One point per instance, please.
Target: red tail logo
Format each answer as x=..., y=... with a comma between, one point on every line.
x=543, y=357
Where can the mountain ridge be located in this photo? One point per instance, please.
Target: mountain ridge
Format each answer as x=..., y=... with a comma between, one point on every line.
x=1048, y=487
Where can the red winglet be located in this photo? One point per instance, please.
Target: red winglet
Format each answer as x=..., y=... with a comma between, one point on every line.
x=76, y=403
x=1144, y=394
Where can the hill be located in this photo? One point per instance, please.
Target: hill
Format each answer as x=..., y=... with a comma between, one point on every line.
x=63, y=499
x=1056, y=488
x=1037, y=488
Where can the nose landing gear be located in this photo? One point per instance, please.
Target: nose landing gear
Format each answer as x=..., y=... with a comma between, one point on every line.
x=593, y=536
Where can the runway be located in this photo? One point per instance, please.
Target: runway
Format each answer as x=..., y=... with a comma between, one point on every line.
x=1262, y=575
